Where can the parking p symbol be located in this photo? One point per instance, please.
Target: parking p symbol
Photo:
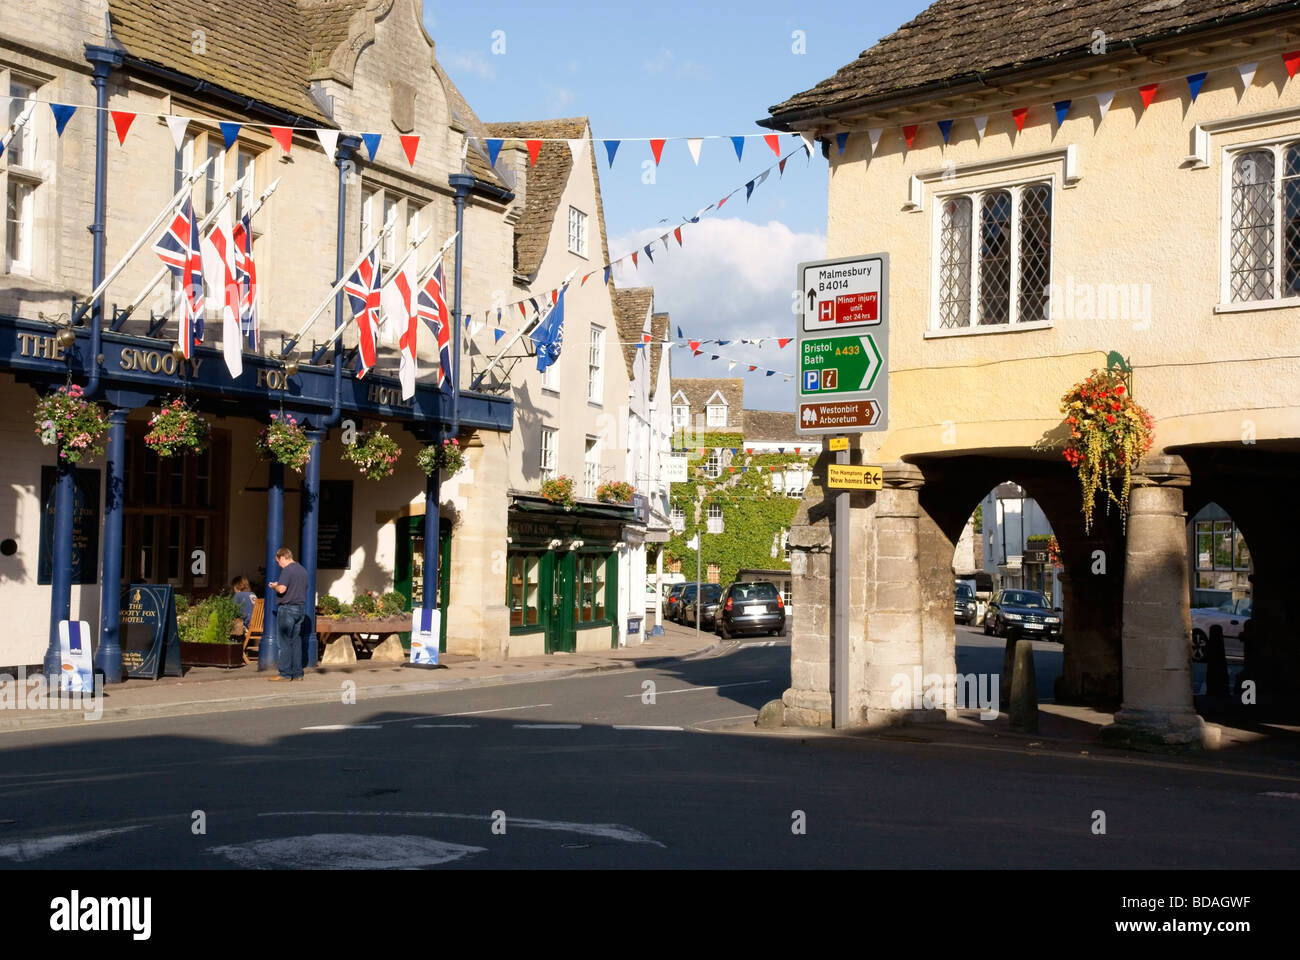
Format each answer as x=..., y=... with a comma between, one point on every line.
x=811, y=380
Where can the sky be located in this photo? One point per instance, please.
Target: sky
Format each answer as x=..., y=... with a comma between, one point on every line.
x=680, y=69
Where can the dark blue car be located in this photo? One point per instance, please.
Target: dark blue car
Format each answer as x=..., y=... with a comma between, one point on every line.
x=1021, y=613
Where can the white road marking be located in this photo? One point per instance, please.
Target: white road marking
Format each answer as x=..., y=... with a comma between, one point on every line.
x=720, y=686
x=468, y=713
x=760, y=643
x=345, y=726
x=445, y=726
x=548, y=726
x=1279, y=793
x=642, y=727
x=742, y=716
x=344, y=851
x=36, y=847
x=610, y=831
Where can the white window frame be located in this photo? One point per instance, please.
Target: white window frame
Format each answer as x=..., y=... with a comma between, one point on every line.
x=1278, y=147
x=577, y=232
x=591, y=467
x=595, y=366
x=28, y=177
x=713, y=465
x=369, y=203
x=243, y=200
x=716, y=415
x=388, y=246
x=28, y=137
x=412, y=220
x=548, y=457
x=551, y=377
x=1016, y=188
x=681, y=416
x=714, y=519
x=678, y=517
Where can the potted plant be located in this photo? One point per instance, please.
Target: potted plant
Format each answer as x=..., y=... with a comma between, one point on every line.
x=1054, y=552
x=446, y=456
x=176, y=429
x=615, y=491
x=1109, y=433
x=375, y=454
x=67, y=420
x=212, y=633
x=559, y=490
x=284, y=440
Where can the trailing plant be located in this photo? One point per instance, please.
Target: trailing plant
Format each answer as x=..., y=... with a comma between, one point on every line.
x=615, y=491
x=1054, y=551
x=210, y=620
x=177, y=429
x=375, y=454
x=446, y=456
x=559, y=490
x=284, y=440
x=67, y=420
x=1109, y=433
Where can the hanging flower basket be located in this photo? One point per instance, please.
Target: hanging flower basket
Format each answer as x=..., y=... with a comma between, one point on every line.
x=176, y=429
x=559, y=490
x=447, y=456
x=375, y=454
x=1109, y=433
x=1054, y=552
x=616, y=491
x=67, y=420
x=285, y=441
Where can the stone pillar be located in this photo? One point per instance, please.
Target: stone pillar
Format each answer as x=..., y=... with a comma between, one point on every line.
x=478, y=620
x=893, y=600
x=938, y=629
x=808, y=701
x=1157, y=708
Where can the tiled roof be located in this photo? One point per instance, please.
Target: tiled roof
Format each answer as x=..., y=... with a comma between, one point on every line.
x=770, y=426
x=631, y=307
x=698, y=390
x=956, y=41
x=546, y=181
x=658, y=355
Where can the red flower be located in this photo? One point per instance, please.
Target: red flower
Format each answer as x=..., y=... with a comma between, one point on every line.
x=1110, y=418
x=1120, y=389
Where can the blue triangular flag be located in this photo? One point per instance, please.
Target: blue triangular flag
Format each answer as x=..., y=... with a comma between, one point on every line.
x=842, y=138
x=648, y=254
x=639, y=345
x=2, y=149
x=498, y=334
x=1194, y=84
x=945, y=127
x=611, y=148
x=770, y=372
x=679, y=333
x=494, y=151
x=372, y=144
x=735, y=450
x=714, y=357
x=229, y=133
x=723, y=343
x=62, y=114
x=608, y=268
x=739, y=144
x=780, y=449
x=749, y=188
x=1062, y=108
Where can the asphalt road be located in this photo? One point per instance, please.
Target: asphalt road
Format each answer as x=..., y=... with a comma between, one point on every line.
x=596, y=771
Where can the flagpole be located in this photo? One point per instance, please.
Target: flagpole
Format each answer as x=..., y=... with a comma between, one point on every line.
x=207, y=221
x=144, y=238
x=334, y=290
x=519, y=335
x=17, y=124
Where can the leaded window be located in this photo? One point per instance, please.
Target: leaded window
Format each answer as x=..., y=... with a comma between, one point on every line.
x=1263, y=256
x=954, y=263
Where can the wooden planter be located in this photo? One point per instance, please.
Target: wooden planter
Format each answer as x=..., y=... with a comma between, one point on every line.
x=227, y=655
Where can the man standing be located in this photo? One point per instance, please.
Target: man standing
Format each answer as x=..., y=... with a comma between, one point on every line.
x=289, y=615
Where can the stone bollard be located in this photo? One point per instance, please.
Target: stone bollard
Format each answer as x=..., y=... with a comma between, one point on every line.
x=1008, y=668
x=1024, y=690
x=1216, y=664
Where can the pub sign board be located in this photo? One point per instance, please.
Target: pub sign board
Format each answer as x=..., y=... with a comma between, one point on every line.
x=151, y=642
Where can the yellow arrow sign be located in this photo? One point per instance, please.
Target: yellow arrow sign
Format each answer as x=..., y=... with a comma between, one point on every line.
x=845, y=477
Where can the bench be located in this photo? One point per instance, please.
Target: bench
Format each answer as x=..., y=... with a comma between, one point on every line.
x=253, y=635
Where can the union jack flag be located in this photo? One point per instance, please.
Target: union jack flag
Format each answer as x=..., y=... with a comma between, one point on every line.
x=179, y=250
x=362, y=289
x=432, y=308
x=246, y=276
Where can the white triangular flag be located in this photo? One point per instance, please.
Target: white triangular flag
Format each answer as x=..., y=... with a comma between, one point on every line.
x=731, y=366
x=329, y=139
x=1103, y=102
x=693, y=144
x=875, y=138
x=177, y=126
x=576, y=147
x=762, y=176
x=807, y=142
x=1247, y=71
x=981, y=124
x=476, y=327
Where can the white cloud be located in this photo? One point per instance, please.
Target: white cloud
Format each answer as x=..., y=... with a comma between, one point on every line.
x=467, y=61
x=730, y=279
x=660, y=63
x=558, y=99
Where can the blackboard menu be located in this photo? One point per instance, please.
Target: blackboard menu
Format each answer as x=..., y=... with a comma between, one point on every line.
x=85, y=526
x=334, y=531
x=151, y=643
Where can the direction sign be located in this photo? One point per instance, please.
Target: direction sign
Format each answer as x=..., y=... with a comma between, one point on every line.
x=843, y=345
x=846, y=477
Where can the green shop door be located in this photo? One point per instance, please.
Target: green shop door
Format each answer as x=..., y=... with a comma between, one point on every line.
x=561, y=630
x=409, y=572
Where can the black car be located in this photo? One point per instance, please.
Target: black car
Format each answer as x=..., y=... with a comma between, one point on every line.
x=705, y=606
x=678, y=600
x=963, y=604
x=751, y=607
x=1020, y=613
x=673, y=602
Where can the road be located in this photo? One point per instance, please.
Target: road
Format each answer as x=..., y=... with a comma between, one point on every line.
x=633, y=768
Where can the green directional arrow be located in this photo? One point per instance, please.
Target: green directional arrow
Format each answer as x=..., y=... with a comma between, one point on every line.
x=843, y=365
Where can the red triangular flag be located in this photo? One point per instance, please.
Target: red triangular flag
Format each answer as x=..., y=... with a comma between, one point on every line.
x=773, y=141
x=283, y=136
x=657, y=148
x=534, y=147
x=122, y=123
x=752, y=367
x=697, y=353
x=1019, y=115
x=634, y=259
x=1292, y=61
x=772, y=468
x=732, y=469
x=749, y=450
x=796, y=449
x=523, y=311
x=1148, y=93
x=555, y=295
x=782, y=165
x=695, y=345
x=410, y=143
x=782, y=341
x=722, y=201
x=645, y=338
x=909, y=133
x=678, y=234
x=584, y=279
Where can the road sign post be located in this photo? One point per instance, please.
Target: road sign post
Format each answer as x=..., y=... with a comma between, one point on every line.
x=843, y=340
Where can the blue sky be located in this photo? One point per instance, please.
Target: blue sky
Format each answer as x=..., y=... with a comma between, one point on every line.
x=687, y=70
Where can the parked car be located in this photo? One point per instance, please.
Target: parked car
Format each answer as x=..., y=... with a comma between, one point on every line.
x=1014, y=613
x=678, y=599
x=1231, y=615
x=753, y=606
x=964, y=606
x=704, y=606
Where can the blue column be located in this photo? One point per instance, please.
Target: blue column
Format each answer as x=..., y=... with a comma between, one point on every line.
x=266, y=652
x=432, y=555
x=310, y=523
x=61, y=566
x=108, y=658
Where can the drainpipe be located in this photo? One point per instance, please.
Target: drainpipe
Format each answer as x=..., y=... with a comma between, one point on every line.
x=103, y=61
x=462, y=183
x=347, y=148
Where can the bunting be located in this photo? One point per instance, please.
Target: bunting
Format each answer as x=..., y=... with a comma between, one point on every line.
x=121, y=124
